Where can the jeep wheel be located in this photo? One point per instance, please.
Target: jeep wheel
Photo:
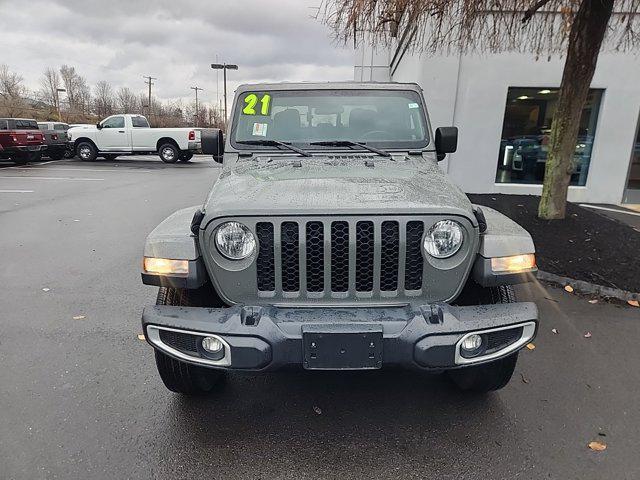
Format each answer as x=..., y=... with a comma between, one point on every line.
x=169, y=153
x=86, y=151
x=489, y=376
x=181, y=377
x=486, y=377
x=56, y=156
x=186, y=156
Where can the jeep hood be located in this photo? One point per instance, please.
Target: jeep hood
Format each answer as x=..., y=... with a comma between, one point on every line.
x=358, y=185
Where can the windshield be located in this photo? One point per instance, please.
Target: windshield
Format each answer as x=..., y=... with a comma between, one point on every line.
x=383, y=118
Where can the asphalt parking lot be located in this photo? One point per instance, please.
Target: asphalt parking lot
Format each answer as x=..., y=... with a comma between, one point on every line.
x=80, y=397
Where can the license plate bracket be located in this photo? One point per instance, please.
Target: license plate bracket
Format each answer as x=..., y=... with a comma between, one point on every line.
x=340, y=347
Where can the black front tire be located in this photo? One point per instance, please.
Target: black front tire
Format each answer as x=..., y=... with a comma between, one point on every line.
x=178, y=376
x=86, y=151
x=488, y=376
x=56, y=156
x=169, y=153
x=187, y=379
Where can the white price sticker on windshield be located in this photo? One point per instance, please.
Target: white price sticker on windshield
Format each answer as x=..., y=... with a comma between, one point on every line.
x=260, y=129
x=414, y=105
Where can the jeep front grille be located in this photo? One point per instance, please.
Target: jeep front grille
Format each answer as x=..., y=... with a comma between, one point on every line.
x=353, y=260
x=339, y=256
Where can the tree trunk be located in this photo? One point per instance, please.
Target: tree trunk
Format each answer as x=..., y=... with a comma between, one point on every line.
x=585, y=39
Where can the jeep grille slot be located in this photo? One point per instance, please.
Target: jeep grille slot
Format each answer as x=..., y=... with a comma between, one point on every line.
x=339, y=257
x=414, y=261
x=389, y=256
x=265, y=263
x=334, y=258
x=364, y=256
x=315, y=257
x=290, y=248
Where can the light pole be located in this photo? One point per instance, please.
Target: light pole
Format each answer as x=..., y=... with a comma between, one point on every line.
x=196, y=88
x=58, y=90
x=224, y=67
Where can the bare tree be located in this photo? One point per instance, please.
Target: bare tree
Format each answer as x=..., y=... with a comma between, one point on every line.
x=49, y=85
x=577, y=28
x=12, y=93
x=78, y=92
x=103, y=99
x=127, y=101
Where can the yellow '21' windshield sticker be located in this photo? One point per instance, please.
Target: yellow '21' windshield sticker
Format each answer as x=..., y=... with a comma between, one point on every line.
x=255, y=104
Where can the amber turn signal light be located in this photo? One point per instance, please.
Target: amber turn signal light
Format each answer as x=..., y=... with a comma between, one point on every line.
x=514, y=264
x=165, y=266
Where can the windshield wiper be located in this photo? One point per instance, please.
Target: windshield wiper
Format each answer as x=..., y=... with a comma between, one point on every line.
x=349, y=143
x=275, y=143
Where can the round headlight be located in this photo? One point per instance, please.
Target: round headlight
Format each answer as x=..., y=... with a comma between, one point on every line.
x=235, y=241
x=443, y=239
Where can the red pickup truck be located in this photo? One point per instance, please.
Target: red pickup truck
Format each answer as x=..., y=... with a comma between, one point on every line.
x=21, y=140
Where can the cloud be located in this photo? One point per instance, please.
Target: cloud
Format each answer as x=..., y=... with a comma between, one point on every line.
x=176, y=41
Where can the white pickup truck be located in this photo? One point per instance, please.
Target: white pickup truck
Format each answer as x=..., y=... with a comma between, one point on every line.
x=131, y=135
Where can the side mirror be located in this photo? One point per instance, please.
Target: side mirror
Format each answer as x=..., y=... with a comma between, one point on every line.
x=213, y=143
x=99, y=126
x=446, y=141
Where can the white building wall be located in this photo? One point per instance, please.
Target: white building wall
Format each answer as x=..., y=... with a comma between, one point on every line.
x=470, y=92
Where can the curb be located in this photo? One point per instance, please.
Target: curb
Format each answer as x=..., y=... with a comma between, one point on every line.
x=587, y=287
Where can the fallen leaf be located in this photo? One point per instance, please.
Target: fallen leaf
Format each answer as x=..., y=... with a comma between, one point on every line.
x=317, y=410
x=46, y=289
x=595, y=300
x=531, y=346
x=597, y=446
x=587, y=335
x=141, y=337
x=555, y=331
x=633, y=303
x=524, y=379
x=569, y=288
x=79, y=317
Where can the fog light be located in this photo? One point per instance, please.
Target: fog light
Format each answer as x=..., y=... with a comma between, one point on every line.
x=514, y=264
x=166, y=266
x=471, y=343
x=212, y=345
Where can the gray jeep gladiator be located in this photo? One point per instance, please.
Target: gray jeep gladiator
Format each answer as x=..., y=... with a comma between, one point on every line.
x=332, y=240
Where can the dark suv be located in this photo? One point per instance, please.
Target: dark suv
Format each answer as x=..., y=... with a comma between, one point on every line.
x=21, y=140
x=56, y=138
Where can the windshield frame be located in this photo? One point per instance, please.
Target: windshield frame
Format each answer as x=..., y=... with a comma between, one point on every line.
x=422, y=145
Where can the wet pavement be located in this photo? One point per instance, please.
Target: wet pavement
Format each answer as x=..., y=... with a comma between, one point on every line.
x=80, y=397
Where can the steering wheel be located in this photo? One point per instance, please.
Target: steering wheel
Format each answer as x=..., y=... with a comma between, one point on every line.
x=378, y=134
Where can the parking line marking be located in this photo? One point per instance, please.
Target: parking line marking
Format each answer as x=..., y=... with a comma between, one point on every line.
x=23, y=177
x=624, y=212
x=16, y=191
x=22, y=169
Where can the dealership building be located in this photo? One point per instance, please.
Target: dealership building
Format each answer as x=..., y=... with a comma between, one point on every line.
x=503, y=105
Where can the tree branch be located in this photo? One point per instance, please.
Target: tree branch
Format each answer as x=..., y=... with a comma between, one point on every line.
x=534, y=8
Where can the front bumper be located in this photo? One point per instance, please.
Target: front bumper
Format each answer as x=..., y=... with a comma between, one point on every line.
x=267, y=338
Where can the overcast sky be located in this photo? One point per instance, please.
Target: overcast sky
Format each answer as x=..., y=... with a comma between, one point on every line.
x=174, y=40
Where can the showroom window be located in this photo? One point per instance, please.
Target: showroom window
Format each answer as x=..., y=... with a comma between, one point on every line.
x=525, y=135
